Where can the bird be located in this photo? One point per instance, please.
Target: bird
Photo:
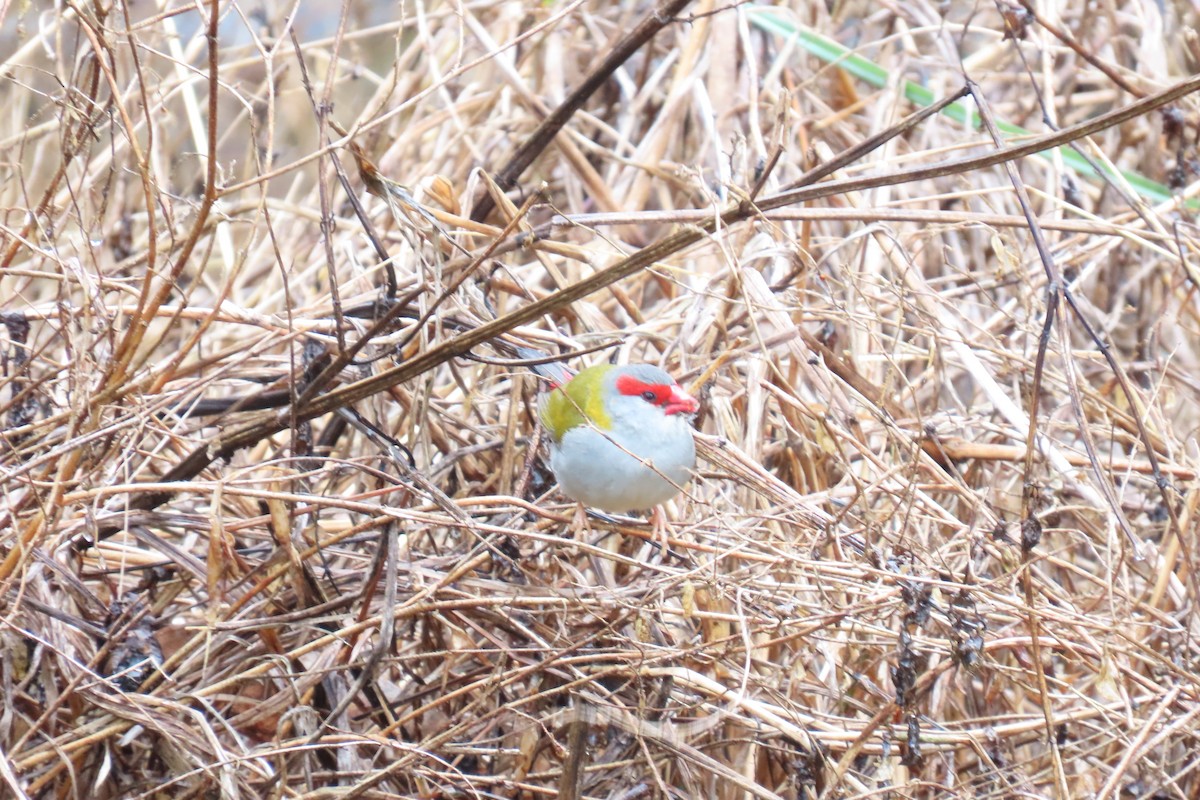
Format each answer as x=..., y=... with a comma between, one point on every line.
x=620, y=436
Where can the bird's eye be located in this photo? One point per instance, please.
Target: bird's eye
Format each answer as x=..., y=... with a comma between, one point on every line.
x=649, y=396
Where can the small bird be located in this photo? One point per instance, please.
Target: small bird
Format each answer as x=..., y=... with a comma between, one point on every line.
x=620, y=436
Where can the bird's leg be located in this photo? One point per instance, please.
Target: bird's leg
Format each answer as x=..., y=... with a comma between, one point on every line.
x=660, y=529
x=579, y=522
x=581, y=527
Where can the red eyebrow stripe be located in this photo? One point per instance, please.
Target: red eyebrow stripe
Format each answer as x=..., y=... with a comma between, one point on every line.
x=667, y=396
x=629, y=385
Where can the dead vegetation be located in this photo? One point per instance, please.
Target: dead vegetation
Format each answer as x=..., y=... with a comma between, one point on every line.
x=223, y=224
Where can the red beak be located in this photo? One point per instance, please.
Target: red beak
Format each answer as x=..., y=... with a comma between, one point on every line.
x=680, y=402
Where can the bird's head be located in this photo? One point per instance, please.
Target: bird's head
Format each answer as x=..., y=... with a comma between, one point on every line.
x=605, y=395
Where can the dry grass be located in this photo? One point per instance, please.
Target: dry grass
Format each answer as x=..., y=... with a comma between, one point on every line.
x=873, y=589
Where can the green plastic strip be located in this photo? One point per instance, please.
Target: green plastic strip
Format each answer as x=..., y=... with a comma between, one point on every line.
x=829, y=51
